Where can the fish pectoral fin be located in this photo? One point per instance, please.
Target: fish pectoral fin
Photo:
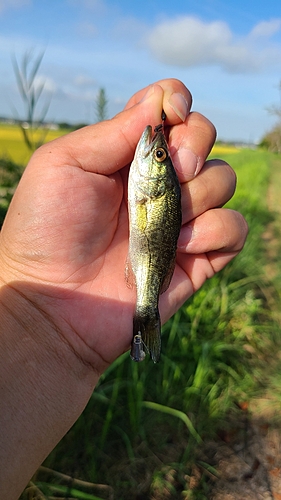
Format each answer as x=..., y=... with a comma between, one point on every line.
x=129, y=275
x=168, y=277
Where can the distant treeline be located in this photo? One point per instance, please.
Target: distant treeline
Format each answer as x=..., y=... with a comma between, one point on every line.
x=48, y=125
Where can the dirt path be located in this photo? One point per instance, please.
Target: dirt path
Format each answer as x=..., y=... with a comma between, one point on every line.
x=248, y=458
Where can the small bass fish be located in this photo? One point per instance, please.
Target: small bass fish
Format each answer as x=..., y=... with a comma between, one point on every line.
x=154, y=204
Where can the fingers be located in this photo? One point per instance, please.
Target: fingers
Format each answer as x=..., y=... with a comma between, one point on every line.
x=209, y=243
x=191, y=141
x=210, y=236
x=212, y=187
x=106, y=147
x=206, y=246
x=177, y=99
x=190, y=144
x=222, y=230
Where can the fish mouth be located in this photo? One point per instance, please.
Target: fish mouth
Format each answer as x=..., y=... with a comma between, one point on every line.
x=148, y=140
x=145, y=142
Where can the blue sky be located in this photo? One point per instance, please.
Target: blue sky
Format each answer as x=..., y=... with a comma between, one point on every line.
x=227, y=53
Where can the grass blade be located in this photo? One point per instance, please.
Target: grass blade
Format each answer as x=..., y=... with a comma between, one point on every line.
x=174, y=413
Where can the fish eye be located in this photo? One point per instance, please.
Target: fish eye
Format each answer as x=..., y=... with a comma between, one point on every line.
x=160, y=154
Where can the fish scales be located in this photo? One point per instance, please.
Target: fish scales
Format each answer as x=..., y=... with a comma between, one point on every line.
x=154, y=203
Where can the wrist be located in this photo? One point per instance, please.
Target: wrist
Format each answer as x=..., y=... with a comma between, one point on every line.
x=44, y=386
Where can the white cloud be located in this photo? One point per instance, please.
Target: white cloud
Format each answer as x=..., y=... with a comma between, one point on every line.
x=266, y=28
x=13, y=4
x=188, y=41
x=82, y=80
x=45, y=82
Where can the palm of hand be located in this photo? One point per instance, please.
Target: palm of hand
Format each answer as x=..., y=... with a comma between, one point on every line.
x=76, y=236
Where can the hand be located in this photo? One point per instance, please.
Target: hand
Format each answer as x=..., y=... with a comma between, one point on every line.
x=65, y=309
x=66, y=233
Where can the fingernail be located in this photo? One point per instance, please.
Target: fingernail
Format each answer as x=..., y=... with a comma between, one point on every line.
x=180, y=105
x=186, y=163
x=185, y=237
x=148, y=93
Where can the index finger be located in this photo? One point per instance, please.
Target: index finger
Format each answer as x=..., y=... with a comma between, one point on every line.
x=192, y=139
x=190, y=145
x=105, y=147
x=177, y=100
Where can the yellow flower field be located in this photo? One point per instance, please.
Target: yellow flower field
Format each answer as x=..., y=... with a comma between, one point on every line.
x=12, y=144
x=222, y=149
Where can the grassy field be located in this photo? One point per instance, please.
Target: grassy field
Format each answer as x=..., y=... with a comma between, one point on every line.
x=144, y=429
x=143, y=432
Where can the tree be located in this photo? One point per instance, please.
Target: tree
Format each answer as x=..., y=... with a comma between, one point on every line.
x=276, y=110
x=101, y=105
x=272, y=139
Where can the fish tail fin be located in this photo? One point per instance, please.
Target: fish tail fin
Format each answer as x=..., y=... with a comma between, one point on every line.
x=147, y=334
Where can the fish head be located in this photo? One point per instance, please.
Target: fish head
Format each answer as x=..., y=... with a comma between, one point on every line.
x=152, y=153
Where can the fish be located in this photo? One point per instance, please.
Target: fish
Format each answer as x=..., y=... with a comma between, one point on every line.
x=154, y=207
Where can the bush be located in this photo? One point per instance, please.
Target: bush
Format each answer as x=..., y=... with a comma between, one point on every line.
x=272, y=140
x=10, y=174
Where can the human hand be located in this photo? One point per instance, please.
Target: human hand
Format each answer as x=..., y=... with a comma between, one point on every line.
x=65, y=239
x=66, y=312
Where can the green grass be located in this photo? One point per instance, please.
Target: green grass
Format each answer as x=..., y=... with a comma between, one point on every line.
x=145, y=425
x=143, y=428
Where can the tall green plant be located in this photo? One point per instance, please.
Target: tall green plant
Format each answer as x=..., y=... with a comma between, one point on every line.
x=101, y=105
x=31, y=91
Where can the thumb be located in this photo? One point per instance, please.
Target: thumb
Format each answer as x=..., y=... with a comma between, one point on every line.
x=105, y=147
